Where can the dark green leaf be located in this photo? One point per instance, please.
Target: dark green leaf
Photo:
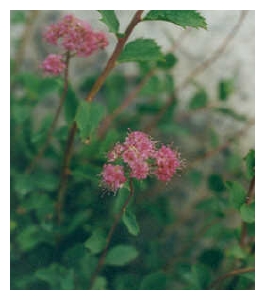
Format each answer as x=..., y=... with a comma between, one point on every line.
x=96, y=242
x=215, y=183
x=88, y=117
x=154, y=281
x=179, y=17
x=199, y=100
x=168, y=63
x=129, y=220
x=141, y=50
x=212, y=257
x=247, y=212
x=237, y=194
x=110, y=19
x=121, y=255
x=250, y=163
x=198, y=278
x=226, y=88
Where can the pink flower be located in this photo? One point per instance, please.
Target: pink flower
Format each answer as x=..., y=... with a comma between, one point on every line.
x=115, y=152
x=53, y=64
x=139, y=169
x=113, y=177
x=76, y=36
x=167, y=162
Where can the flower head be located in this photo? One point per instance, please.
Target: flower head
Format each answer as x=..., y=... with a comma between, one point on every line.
x=53, y=64
x=113, y=177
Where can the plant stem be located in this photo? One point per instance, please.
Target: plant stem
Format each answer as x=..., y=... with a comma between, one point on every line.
x=230, y=274
x=55, y=119
x=249, y=197
x=109, y=237
x=96, y=87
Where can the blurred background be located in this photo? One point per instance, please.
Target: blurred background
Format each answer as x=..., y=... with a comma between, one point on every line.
x=203, y=104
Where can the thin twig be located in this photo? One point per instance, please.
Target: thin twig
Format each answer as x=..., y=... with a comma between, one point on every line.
x=249, y=198
x=55, y=119
x=230, y=274
x=109, y=237
x=96, y=87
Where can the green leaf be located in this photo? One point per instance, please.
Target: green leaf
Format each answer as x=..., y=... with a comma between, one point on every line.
x=212, y=257
x=70, y=105
x=110, y=19
x=100, y=283
x=121, y=255
x=199, y=100
x=129, y=220
x=179, y=17
x=96, y=242
x=198, y=278
x=88, y=117
x=141, y=50
x=195, y=177
x=236, y=252
x=250, y=163
x=154, y=281
x=169, y=61
x=231, y=113
x=237, y=193
x=247, y=212
x=226, y=88
x=215, y=183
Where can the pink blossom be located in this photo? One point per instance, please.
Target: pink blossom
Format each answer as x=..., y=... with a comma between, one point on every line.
x=139, y=169
x=167, y=162
x=115, y=152
x=113, y=177
x=53, y=64
x=76, y=36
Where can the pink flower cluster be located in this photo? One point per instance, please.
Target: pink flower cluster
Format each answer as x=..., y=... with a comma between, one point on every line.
x=140, y=158
x=75, y=37
x=53, y=64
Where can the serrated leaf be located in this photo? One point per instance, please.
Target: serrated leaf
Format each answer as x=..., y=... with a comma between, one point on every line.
x=250, y=163
x=169, y=62
x=96, y=242
x=129, y=220
x=247, y=212
x=110, y=19
x=182, y=18
x=199, y=100
x=121, y=255
x=141, y=50
x=237, y=193
x=88, y=117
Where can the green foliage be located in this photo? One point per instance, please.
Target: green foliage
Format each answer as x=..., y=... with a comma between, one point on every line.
x=121, y=255
x=226, y=88
x=129, y=220
x=237, y=194
x=199, y=100
x=250, y=164
x=87, y=117
x=177, y=235
x=182, y=18
x=141, y=50
x=247, y=212
x=110, y=19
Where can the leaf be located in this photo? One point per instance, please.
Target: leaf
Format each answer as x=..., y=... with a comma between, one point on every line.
x=247, y=212
x=121, y=255
x=215, y=183
x=199, y=100
x=226, y=88
x=96, y=242
x=212, y=257
x=179, y=17
x=154, y=281
x=250, y=163
x=169, y=61
x=129, y=220
x=141, y=50
x=110, y=19
x=231, y=113
x=100, y=283
x=88, y=117
x=198, y=277
x=237, y=193
x=70, y=105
